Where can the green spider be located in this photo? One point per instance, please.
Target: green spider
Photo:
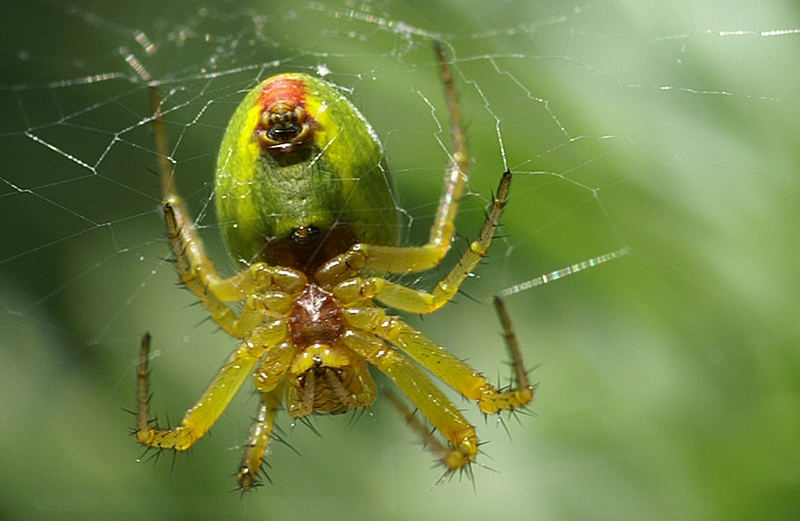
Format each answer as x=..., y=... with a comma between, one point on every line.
x=306, y=210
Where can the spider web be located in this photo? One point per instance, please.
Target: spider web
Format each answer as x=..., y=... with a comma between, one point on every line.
x=665, y=132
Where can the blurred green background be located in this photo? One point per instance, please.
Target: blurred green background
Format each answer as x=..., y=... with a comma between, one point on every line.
x=669, y=380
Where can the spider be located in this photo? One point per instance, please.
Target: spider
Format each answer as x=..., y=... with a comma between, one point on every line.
x=310, y=272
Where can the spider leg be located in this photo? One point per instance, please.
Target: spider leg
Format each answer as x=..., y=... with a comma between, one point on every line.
x=429, y=441
x=268, y=379
x=440, y=362
x=418, y=301
x=259, y=439
x=417, y=258
x=197, y=272
x=423, y=393
x=202, y=415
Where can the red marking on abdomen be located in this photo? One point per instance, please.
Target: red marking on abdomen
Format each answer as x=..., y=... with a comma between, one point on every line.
x=282, y=89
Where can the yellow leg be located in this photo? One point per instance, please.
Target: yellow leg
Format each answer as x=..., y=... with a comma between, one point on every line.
x=216, y=397
x=199, y=275
x=268, y=378
x=259, y=439
x=387, y=258
x=274, y=365
x=423, y=393
x=456, y=174
x=444, y=365
x=419, y=258
x=523, y=393
x=197, y=272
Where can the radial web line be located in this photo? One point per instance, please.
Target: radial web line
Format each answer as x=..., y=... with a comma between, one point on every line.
x=565, y=271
